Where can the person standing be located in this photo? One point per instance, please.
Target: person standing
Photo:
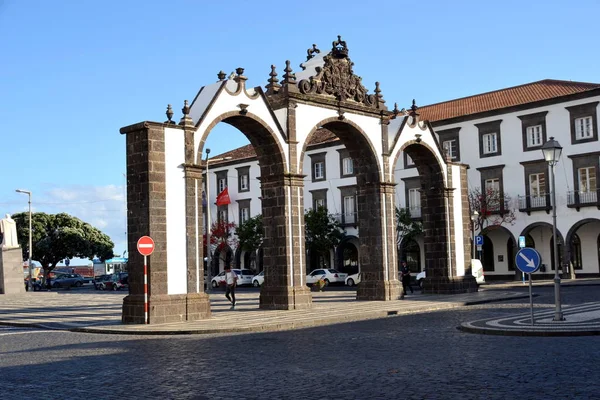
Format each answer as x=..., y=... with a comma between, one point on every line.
x=230, y=282
x=405, y=276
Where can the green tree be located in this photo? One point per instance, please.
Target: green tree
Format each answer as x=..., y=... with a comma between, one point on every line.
x=59, y=236
x=323, y=232
x=250, y=236
x=406, y=228
x=251, y=233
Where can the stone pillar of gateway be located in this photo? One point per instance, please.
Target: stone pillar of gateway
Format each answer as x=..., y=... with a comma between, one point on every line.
x=165, y=180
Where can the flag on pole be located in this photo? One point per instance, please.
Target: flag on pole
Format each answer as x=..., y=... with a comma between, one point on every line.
x=223, y=198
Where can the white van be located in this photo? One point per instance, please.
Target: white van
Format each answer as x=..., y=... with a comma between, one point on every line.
x=476, y=271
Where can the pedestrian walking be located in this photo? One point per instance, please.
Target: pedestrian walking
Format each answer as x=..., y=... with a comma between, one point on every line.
x=230, y=282
x=405, y=276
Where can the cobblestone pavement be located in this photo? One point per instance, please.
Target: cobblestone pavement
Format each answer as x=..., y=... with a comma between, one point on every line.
x=417, y=356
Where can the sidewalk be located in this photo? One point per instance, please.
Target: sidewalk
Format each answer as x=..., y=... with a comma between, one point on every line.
x=101, y=313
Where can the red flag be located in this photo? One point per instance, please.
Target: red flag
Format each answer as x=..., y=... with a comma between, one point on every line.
x=223, y=198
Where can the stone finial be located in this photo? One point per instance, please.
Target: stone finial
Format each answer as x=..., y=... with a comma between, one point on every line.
x=186, y=119
x=169, y=115
x=239, y=71
x=221, y=75
x=289, y=78
x=273, y=86
x=396, y=111
x=312, y=51
x=378, y=95
x=413, y=109
x=239, y=77
x=339, y=49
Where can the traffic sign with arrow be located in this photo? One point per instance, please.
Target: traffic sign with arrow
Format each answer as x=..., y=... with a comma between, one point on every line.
x=528, y=260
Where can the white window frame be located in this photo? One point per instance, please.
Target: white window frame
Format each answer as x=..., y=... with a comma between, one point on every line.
x=222, y=183
x=347, y=166
x=319, y=170
x=450, y=147
x=494, y=183
x=409, y=161
x=490, y=142
x=349, y=205
x=537, y=185
x=244, y=214
x=414, y=200
x=587, y=179
x=534, y=135
x=584, y=128
x=319, y=203
x=244, y=179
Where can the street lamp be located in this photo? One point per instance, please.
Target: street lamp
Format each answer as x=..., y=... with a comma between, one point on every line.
x=208, y=223
x=552, y=150
x=30, y=252
x=474, y=217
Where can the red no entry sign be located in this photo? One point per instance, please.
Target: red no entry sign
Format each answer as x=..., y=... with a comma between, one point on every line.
x=145, y=245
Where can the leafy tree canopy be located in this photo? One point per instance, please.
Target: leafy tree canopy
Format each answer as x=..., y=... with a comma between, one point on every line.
x=59, y=236
x=406, y=227
x=251, y=233
x=323, y=231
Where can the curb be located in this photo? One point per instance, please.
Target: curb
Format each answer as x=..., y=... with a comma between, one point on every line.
x=523, y=332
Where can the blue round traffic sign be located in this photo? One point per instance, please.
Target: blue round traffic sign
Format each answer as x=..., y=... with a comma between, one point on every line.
x=528, y=260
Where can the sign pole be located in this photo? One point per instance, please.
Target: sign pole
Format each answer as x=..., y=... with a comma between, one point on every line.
x=145, y=246
x=145, y=290
x=530, y=299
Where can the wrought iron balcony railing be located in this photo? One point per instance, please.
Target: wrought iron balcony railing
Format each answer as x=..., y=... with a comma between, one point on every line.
x=534, y=203
x=578, y=198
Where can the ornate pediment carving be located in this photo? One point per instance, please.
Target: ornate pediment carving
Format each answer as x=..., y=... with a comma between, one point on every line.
x=336, y=78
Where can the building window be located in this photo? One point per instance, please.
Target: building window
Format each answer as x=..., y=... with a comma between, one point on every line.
x=450, y=143
x=493, y=188
x=347, y=166
x=222, y=184
x=536, y=193
x=348, y=195
x=537, y=185
x=222, y=216
x=318, y=166
x=408, y=162
x=490, y=139
x=490, y=143
x=414, y=202
x=584, y=122
x=349, y=209
x=583, y=128
x=244, y=214
x=319, y=198
x=587, y=179
x=534, y=136
x=244, y=179
x=534, y=130
x=585, y=173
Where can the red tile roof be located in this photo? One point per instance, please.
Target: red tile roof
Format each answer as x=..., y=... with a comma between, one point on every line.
x=498, y=99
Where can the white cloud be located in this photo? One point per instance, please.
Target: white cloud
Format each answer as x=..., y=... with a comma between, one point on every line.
x=104, y=207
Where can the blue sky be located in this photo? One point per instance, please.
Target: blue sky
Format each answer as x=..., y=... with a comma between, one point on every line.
x=74, y=72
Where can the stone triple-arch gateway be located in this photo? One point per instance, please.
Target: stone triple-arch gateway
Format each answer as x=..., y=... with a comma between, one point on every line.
x=165, y=181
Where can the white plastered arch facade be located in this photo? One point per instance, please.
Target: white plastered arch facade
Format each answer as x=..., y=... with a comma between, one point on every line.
x=165, y=174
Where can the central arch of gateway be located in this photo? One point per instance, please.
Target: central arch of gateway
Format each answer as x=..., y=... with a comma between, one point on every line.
x=165, y=180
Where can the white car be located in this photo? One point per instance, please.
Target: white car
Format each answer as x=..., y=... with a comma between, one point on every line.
x=244, y=278
x=354, y=279
x=259, y=279
x=328, y=275
x=476, y=271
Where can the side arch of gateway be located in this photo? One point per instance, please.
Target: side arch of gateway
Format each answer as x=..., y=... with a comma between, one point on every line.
x=165, y=181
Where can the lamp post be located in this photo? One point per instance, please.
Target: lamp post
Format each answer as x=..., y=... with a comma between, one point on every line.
x=208, y=223
x=30, y=252
x=474, y=217
x=552, y=150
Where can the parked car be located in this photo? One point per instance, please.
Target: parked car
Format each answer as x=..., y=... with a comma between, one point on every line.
x=259, y=279
x=115, y=282
x=67, y=280
x=328, y=275
x=99, y=282
x=354, y=279
x=244, y=278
